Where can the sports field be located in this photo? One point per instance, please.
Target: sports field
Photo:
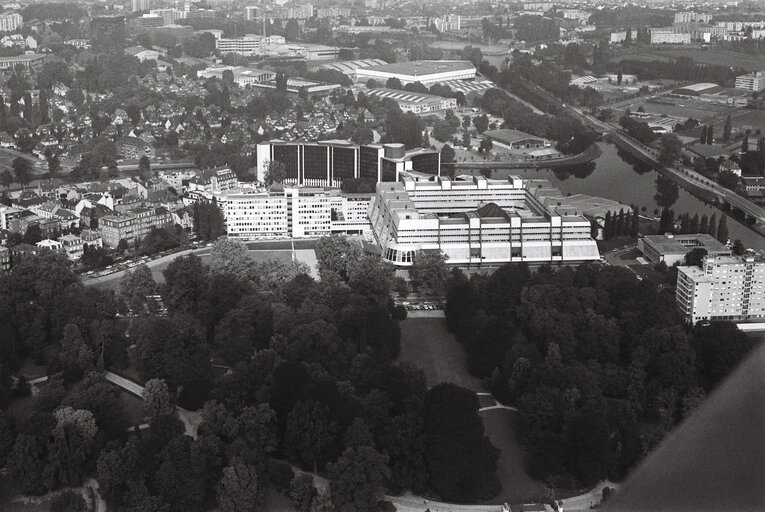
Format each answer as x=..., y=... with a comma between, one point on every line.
x=700, y=55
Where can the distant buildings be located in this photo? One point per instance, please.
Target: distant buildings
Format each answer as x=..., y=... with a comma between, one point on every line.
x=133, y=225
x=669, y=36
x=447, y=23
x=475, y=221
x=424, y=71
x=692, y=17
x=415, y=102
x=242, y=76
x=141, y=5
x=108, y=34
x=724, y=288
x=515, y=139
x=753, y=82
x=10, y=22
x=30, y=62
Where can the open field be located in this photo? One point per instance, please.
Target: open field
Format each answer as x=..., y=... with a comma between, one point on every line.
x=700, y=55
x=427, y=344
x=685, y=108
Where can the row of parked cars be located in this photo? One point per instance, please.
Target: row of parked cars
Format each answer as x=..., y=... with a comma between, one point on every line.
x=419, y=306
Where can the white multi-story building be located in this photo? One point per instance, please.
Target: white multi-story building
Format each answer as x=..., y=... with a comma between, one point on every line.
x=140, y=5
x=724, y=288
x=333, y=12
x=296, y=212
x=692, y=17
x=475, y=221
x=754, y=82
x=10, y=21
x=448, y=23
x=249, y=44
x=669, y=36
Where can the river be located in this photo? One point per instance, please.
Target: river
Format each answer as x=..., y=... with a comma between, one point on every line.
x=616, y=175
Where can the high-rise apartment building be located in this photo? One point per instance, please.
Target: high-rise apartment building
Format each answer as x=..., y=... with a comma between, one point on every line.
x=140, y=5
x=723, y=288
x=10, y=22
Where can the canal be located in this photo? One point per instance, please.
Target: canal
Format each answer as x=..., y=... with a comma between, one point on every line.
x=618, y=176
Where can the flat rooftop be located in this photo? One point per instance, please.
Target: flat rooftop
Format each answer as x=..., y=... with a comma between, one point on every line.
x=424, y=67
x=681, y=244
x=507, y=135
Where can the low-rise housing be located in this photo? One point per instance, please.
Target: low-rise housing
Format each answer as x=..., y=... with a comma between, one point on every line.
x=672, y=249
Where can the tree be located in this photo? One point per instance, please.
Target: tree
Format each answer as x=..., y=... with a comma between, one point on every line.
x=75, y=355
x=54, y=164
x=275, y=173
x=133, y=111
x=738, y=247
x=335, y=254
x=72, y=445
x=710, y=134
x=26, y=463
x=144, y=167
x=22, y=170
x=727, y=128
x=481, y=123
x=429, y=272
x=355, y=480
x=156, y=399
x=461, y=460
x=136, y=285
x=447, y=154
x=670, y=149
x=722, y=229
x=486, y=145
x=695, y=257
x=291, y=30
x=703, y=135
x=302, y=492
x=6, y=178
x=238, y=489
x=308, y=432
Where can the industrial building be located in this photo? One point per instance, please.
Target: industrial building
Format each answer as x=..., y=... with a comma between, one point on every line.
x=672, y=249
x=242, y=76
x=328, y=163
x=724, y=288
x=426, y=72
x=475, y=221
x=415, y=102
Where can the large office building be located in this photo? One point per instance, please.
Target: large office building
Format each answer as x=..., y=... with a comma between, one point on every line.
x=295, y=211
x=415, y=102
x=475, y=221
x=108, y=34
x=328, y=163
x=724, y=288
x=140, y=5
x=426, y=72
x=10, y=22
x=753, y=82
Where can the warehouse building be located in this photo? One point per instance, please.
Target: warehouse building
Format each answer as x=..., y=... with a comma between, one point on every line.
x=426, y=72
x=415, y=102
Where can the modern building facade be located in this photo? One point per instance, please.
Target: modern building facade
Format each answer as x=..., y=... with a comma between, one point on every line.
x=753, y=82
x=724, y=288
x=328, y=163
x=295, y=212
x=475, y=221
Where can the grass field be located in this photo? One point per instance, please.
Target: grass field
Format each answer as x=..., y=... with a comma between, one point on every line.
x=687, y=108
x=700, y=55
x=427, y=344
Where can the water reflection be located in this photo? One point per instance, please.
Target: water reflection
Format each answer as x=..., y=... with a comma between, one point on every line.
x=639, y=166
x=579, y=171
x=667, y=192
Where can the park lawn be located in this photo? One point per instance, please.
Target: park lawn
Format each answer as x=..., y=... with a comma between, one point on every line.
x=517, y=486
x=427, y=344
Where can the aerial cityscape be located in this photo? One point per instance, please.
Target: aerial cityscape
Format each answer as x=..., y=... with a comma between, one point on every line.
x=382, y=255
